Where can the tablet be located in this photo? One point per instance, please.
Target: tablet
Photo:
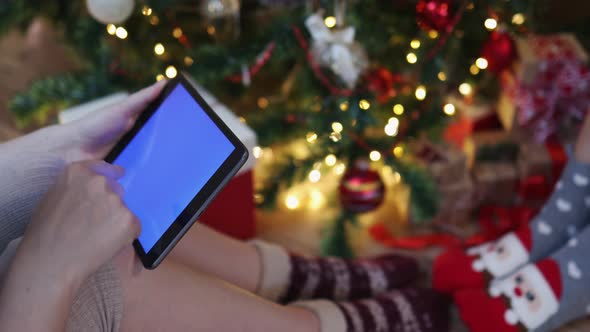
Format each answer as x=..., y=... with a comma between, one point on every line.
x=177, y=157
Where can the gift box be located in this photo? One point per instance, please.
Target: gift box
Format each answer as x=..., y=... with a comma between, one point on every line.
x=457, y=202
x=472, y=116
x=445, y=163
x=495, y=182
x=490, y=146
x=232, y=211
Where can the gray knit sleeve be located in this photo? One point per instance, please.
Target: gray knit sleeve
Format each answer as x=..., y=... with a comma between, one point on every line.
x=28, y=167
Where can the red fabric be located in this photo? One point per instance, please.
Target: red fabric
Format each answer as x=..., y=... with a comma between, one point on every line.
x=552, y=274
x=232, y=211
x=453, y=271
x=539, y=186
x=482, y=313
x=525, y=237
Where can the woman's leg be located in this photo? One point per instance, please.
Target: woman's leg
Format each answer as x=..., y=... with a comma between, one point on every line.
x=177, y=298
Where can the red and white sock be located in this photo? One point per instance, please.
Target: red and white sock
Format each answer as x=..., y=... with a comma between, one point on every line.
x=563, y=216
x=287, y=277
x=407, y=310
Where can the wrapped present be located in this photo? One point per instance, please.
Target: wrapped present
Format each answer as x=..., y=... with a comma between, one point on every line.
x=490, y=146
x=444, y=162
x=472, y=116
x=457, y=201
x=550, y=89
x=237, y=221
x=496, y=182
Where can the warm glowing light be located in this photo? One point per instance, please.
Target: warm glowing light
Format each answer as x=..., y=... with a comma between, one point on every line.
x=340, y=168
x=398, y=151
x=337, y=127
x=121, y=32
x=257, y=152
x=344, y=106
x=465, y=89
x=316, y=199
x=292, y=202
x=415, y=44
x=211, y=30
x=375, y=155
x=159, y=77
x=393, y=121
x=331, y=160
x=159, y=49
x=171, y=72
x=111, y=29
x=188, y=60
x=364, y=104
x=449, y=109
x=242, y=119
x=330, y=21
x=262, y=102
x=311, y=137
x=398, y=109
x=433, y=34
x=154, y=20
x=481, y=63
x=442, y=76
x=518, y=19
x=420, y=92
x=490, y=24
x=177, y=32
x=397, y=178
x=391, y=129
x=146, y=11
x=315, y=176
x=335, y=137
x=474, y=70
x=411, y=58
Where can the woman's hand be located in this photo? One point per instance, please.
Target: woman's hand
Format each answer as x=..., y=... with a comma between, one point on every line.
x=80, y=224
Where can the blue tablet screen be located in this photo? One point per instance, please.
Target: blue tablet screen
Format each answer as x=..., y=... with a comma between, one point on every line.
x=169, y=161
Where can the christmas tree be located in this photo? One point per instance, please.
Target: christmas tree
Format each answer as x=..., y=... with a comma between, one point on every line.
x=357, y=81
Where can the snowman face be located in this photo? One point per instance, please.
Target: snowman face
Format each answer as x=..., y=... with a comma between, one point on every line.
x=531, y=297
x=505, y=255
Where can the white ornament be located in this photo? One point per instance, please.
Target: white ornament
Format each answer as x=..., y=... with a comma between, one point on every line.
x=573, y=242
x=220, y=8
x=580, y=180
x=573, y=270
x=110, y=11
x=511, y=317
x=563, y=205
x=544, y=228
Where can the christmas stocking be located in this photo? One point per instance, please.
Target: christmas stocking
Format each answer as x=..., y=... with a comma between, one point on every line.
x=567, y=211
x=407, y=310
x=537, y=297
x=287, y=277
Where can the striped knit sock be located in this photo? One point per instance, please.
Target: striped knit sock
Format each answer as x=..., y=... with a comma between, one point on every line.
x=288, y=277
x=408, y=310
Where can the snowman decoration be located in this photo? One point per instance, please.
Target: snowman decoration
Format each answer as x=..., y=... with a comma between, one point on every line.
x=503, y=256
x=531, y=295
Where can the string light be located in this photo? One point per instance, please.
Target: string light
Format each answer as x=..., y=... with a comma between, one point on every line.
x=315, y=176
x=330, y=21
x=375, y=155
x=188, y=60
x=442, y=76
x=311, y=137
x=393, y=121
x=397, y=178
x=330, y=160
x=490, y=24
x=211, y=30
x=177, y=32
x=433, y=34
x=398, y=109
x=364, y=104
x=474, y=70
x=415, y=44
x=518, y=19
x=316, y=199
x=111, y=29
x=411, y=58
x=257, y=152
x=398, y=151
x=449, y=109
x=344, y=106
x=420, y=92
x=146, y=11
x=481, y=63
x=121, y=33
x=339, y=169
x=292, y=202
x=391, y=129
x=154, y=20
x=262, y=102
x=159, y=49
x=337, y=127
x=159, y=77
x=171, y=72
x=335, y=137
x=465, y=89
x=242, y=119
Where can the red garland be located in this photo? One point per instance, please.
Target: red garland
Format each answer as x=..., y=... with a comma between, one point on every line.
x=261, y=61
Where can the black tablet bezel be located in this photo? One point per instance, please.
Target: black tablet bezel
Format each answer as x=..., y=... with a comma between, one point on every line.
x=224, y=173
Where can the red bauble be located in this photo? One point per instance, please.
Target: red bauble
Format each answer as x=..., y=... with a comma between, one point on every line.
x=435, y=14
x=500, y=51
x=361, y=189
x=380, y=81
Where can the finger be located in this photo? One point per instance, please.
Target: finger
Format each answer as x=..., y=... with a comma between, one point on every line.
x=116, y=187
x=139, y=100
x=108, y=170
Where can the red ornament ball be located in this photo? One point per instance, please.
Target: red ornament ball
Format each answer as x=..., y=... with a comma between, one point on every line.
x=361, y=189
x=434, y=14
x=500, y=51
x=380, y=81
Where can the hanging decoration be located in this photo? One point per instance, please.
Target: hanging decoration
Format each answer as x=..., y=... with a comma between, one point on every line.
x=499, y=50
x=434, y=15
x=110, y=11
